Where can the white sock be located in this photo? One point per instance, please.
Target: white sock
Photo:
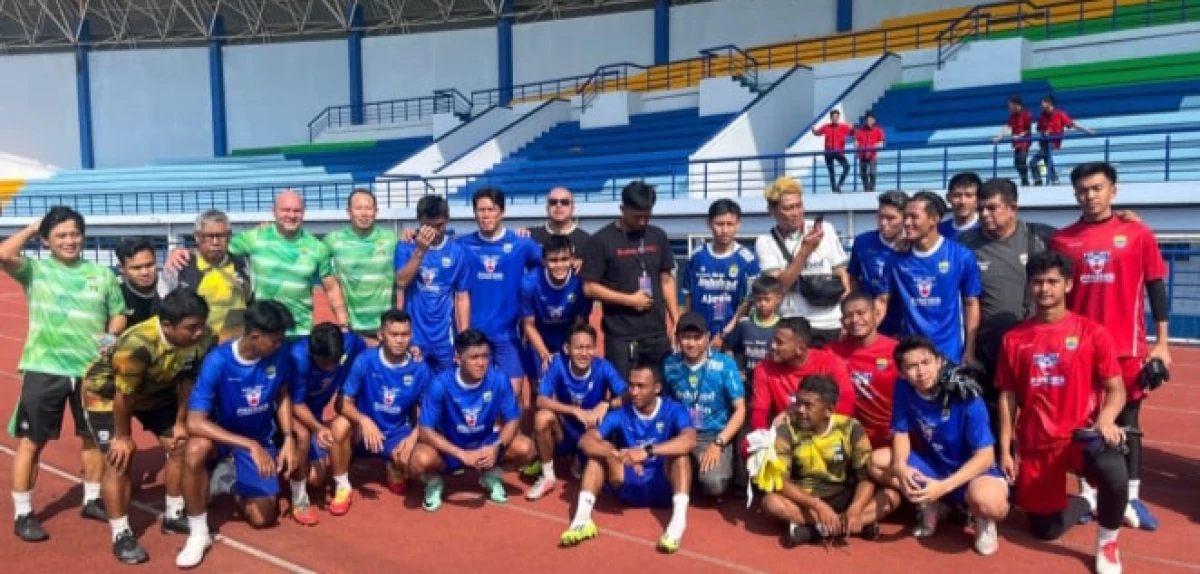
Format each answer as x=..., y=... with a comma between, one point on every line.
x=583, y=514
x=299, y=492
x=22, y=503
x=1104, y=536
x=342, y=481
x=548, y=470
x=494, y=472
x=1088, y=493
x=679, y=508
x=91, y=491
x=119, y=525
x=1135, y=489
x=198, y=525
x=174, y=506
x=435, y=479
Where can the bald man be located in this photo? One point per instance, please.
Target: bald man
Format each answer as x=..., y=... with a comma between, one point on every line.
x=284, y=260
x=560, y=220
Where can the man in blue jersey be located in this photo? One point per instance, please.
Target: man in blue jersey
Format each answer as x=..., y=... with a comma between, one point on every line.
x=874, y=249
x=942, y=444
x=720, y=272
x=321, y=361
x=240, y=405
x=574, y=396
x=433, y=274
x=379, y=408
x=709, y=385
x=552, y=302
x=640, y=452
x=936, y=283
x=469, y=419
x=963, y=196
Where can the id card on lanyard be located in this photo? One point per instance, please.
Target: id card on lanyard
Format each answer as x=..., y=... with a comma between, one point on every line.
x=644, y=284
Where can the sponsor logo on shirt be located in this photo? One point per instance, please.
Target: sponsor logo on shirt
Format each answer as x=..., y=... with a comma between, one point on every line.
x=862, y=383
x=428, y=276
x=322, y=386
x=925, y=287
x=714, y=282
x=471, y=417
x=1097, y=263
x=984, y=264
x=254, y=402
x=389, y=401
x=1046, y=370
x=556, y=313
x=489, y=265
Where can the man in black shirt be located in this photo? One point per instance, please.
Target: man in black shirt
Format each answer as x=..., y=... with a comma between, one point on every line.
x=139, y=279
x=560, y=220
x=627, y=267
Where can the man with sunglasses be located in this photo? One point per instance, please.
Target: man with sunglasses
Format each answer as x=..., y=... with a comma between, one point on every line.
x=222, y=279
x=560, y=220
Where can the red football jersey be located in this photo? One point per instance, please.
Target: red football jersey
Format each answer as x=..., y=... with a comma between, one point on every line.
x=867, y=138
x=1054, y=123
x=1020, y=123
x=835, y=135
x=1057, y=372
x=1114, y=259
x=873, y=372
x=775, y=386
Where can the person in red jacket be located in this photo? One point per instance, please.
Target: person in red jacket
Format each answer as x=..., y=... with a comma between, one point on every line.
x=867, y=141
x=1019, y=126
x=835, y=133
x=1051, y=125
x=777, y=378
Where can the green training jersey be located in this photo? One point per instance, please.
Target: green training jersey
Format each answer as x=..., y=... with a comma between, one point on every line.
x=69, y=309
x=284, y=269
x=363, y=266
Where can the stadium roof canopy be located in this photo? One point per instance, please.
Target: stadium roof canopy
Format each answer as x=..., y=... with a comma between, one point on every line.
x=44, y=25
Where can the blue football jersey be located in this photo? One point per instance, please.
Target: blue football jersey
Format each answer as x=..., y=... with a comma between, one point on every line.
x=385, y=392
x=445, y=272
x=719, y=283
x=310, y=385
x=627, y=428
x=930, y=288
x=241, y=396
x=707, y=391
x=869, y=258
x=497, y=268
x=948, y=436
x=600, y=382
x=466, y=415
x=947, y=229
x=553, y=308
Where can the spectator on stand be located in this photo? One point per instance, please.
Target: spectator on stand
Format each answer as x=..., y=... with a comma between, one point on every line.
x=1050, y=126
x=835, y=134
x=1020, y=123
x=867, y=141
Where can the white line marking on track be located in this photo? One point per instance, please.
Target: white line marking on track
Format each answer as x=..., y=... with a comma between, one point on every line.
x=237, y=545
x=1170, y=410
x=1171, y=444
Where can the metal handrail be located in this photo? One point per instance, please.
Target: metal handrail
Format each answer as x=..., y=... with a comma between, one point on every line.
x=740, y=63
x=379, y=112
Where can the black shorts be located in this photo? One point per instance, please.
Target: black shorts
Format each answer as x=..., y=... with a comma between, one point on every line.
x=160, y=422
x=840, y=501
x=39, y=412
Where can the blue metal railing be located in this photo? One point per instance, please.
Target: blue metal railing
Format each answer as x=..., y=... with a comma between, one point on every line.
x=390, y=111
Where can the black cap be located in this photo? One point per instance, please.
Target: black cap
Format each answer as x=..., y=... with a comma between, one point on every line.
x=691, y=321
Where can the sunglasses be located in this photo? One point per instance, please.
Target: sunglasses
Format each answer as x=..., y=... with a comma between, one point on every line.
x=561, y=202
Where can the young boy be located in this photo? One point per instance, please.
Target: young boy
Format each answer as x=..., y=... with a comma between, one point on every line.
x=750, y=340
x=720, y=272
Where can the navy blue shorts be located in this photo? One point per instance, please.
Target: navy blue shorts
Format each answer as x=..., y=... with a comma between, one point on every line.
x=651, y=489
x=933, y=470
x=249, y=484
x=454, y=464
x=440, y=358
x=506, y=356
x=391, y=439
x=532, y=363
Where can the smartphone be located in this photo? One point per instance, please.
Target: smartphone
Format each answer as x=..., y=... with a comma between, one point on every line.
x=818, y=221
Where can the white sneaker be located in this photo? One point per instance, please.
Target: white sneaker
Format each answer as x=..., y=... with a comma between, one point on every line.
x=987, y=540
x=1132, y=519
x=222, y=479
x=1108, y=559
x=193, y=551
x=541, y=488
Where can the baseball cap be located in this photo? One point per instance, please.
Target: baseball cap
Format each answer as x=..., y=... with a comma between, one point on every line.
x=691, y=321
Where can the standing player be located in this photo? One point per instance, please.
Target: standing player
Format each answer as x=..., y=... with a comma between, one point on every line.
x=433, y=276
x=869, y=358
x=936, y=283
x=1020, y=129
x=963, y=196
x=719, y=273
x=469, y=419
x=1117, y=267
x=707, y=383
x=147, y=374
x=874, y=250
x=320, y=364
x=942, y=444
x=139, y=278
x=1059, y=373
x=213, y=273
x=574, y=396
x=379, y=409
x=552, y=303
x=362, y=263
x=791, y=360
x=640, y=453
x=240, y=405
x=75, y=308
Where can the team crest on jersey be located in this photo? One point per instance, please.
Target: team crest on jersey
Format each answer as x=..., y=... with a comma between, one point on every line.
x=489, y=262
x=389, y=395
x=693, y=380
x=1120, y=241
x=428, y=275
x=879, y=266
x=487, y=396
x=555, y=312
x=1072, y=343
x=984, y=264
x=659, y=426
x=1097, y=260
x=943, y=266
x=570, y=298
x=447, y=262
x=925, y=285
x=881, y=364
x=1045, y=362
x=1023, y=258
x=508, y=247
x=471, y=416
x=253, y=395
x=733, y=271
x=270, y=371
x=408, y=380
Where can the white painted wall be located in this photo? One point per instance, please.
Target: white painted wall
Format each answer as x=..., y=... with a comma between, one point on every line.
x=1141, y=43
x=723, y=95
x=39, y=108
x=427, y=161
x=412, y=65
x=273, y=90
x=869, y=13
x=608, y=109
x=765, y=128
x=150, y=105
x=832, y=78
x=984, y=63
x=413, y=129
x=747, y=23
x=511, y=138
x=577, y=46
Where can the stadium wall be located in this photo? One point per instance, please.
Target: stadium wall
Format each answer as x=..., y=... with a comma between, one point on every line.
x=577, y=46
x=745, y=23
x=869, y=13
x=41, y=119
x=413, y=65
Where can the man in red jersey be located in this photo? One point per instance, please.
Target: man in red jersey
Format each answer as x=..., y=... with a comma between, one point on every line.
x=1117, y=265
x=1055, y=371
x=835, y=133
x=777, y=378
x=868, y=357
x=1020, y=122
x=1051, y=126
x=867, y=141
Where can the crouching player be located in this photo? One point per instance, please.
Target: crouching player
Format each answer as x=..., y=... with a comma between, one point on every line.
x=575, y=395
x=1053, y=370
x=321, y=362
x=943, y=444
x=828, y=492
x=642, y=452
x=378, y=409
x=469, y=419
x=240, y=404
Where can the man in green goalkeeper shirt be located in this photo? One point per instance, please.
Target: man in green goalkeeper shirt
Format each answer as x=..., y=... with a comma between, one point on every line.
x=362, y=262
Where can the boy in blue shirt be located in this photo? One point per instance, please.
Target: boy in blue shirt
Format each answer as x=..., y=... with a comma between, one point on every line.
x=708, y=384
x=379, y=408
x=720, y=272
x=552, y=303
x=321, y=362
x=434, y=275
x=640, y=452
x=936, y=283
x=240, y=405
x=942, y=444
x=469, y=419
x=575, y=395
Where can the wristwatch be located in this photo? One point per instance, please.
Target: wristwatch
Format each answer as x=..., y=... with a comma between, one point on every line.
x=721, y=442
x=649, y=448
